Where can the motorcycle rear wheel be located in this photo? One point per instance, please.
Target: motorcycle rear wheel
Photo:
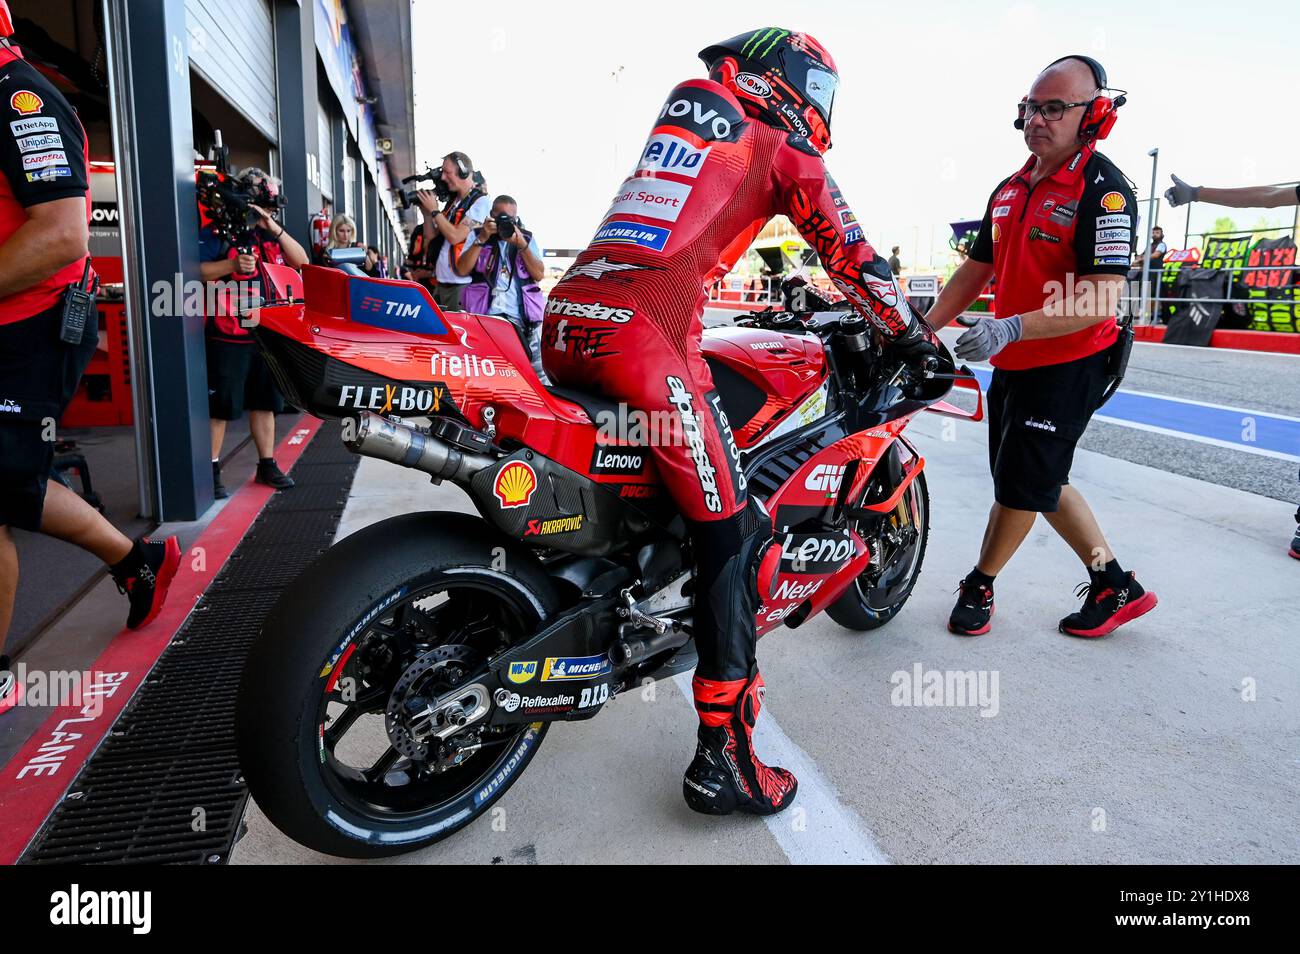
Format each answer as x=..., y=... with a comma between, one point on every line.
x=318, y=684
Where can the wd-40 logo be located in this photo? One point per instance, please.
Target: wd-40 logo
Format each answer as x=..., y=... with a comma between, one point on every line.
x=393, y=306
x=564, y=668
x=825, y=478
x=521, y=672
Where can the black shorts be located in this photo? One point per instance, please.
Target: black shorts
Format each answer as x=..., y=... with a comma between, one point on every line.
x=239, y=380
x=1036, y=418
x=38, y=377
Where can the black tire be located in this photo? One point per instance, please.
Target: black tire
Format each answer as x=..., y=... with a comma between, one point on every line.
x=340, y=601
x=863, y=608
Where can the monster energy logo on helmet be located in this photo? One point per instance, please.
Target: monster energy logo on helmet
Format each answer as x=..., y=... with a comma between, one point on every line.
x=763, y=41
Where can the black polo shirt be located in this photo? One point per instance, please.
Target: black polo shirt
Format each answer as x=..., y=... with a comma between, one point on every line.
x=43, y=157
x=1078, y=221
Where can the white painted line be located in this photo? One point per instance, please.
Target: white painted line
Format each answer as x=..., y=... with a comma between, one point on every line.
x=816, y=829
x=1187, y=436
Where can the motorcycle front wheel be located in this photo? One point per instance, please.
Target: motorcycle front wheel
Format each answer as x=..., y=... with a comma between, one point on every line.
x=897, y=542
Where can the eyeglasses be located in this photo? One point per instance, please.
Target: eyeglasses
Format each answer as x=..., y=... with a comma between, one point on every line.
x=1052, y=111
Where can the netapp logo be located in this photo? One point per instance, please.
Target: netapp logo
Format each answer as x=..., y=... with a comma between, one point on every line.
x=75, y=908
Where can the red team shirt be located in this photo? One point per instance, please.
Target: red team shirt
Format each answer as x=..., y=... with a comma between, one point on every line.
x=1077, y=222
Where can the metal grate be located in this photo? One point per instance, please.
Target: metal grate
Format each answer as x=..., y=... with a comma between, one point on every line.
x=169, y=761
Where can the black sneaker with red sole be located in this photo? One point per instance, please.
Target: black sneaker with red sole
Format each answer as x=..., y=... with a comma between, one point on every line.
x=147, y=587
x=973, y=613
x=1106, y=607
x=1295, y=545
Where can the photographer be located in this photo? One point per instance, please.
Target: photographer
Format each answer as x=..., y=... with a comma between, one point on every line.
x=238, y=377
x=48, y=332
x=504, y=265
x=447, y=229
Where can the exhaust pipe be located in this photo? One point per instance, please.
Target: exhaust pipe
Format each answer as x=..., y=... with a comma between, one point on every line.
x=399, y=443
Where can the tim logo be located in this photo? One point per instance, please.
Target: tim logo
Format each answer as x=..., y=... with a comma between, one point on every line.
x=397, y=306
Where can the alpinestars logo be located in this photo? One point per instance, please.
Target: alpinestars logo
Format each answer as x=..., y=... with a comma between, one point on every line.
x=680, y=398
x=601, y=267
x=592, y=310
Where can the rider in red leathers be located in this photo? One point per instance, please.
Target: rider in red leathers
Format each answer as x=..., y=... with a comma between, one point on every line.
x=725, y=155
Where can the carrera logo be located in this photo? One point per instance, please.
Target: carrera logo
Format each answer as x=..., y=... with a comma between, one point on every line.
x=665, y=152
x=1111, y=248
x=1113, y=202
x=38, y=159
x=754, y=85
x=609, y=460
x=825, y=478
x=25, y=102
x=515, y=485
x=537, y=528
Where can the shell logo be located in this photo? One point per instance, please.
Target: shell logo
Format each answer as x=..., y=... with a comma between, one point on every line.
x=25, y=102
x=1113, y=202
x=515, y=484
x=997, y=233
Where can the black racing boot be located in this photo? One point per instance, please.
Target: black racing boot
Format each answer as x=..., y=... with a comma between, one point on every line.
x=726, y=775
x=270, y=474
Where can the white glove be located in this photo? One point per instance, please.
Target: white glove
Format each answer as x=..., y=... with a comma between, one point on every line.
x=987, y=336
x=1180, y=192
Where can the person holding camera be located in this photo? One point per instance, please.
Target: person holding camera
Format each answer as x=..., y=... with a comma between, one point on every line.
x=48, y=333
x=504, y=265
x=238, y=377
x=446, y=229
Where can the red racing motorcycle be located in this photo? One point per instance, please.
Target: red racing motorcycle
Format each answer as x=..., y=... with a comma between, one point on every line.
x=406, y=680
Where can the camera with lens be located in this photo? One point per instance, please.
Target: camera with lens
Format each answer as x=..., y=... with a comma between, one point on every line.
x=437, y=186
x=506, y=225
x=226, y=201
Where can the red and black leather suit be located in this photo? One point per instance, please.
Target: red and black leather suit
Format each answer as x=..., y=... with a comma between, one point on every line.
x=625, y=322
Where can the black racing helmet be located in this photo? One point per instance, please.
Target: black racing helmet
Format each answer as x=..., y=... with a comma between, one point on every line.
x=784, y=79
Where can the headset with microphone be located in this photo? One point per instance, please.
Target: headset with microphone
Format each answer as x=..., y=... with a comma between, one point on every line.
x=1099, y=114
x=463, y=168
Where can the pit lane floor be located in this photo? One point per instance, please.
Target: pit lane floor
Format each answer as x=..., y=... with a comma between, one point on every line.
x=1172, y=741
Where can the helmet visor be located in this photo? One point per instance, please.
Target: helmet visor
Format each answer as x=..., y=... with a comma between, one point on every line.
x=820, y=86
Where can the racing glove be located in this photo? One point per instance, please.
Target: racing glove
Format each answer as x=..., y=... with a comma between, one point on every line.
x=986, y=336
x=1181, y=193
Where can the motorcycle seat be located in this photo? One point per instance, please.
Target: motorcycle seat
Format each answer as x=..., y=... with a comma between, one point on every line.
x=594, y=405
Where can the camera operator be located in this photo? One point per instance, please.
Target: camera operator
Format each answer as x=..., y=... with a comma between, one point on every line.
x=238, y=377
x=48, y=333
x=504, y=265
x=447, y=229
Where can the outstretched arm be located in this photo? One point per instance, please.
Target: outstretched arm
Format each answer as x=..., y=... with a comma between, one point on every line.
x=822, y=216
x=1246, y=197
